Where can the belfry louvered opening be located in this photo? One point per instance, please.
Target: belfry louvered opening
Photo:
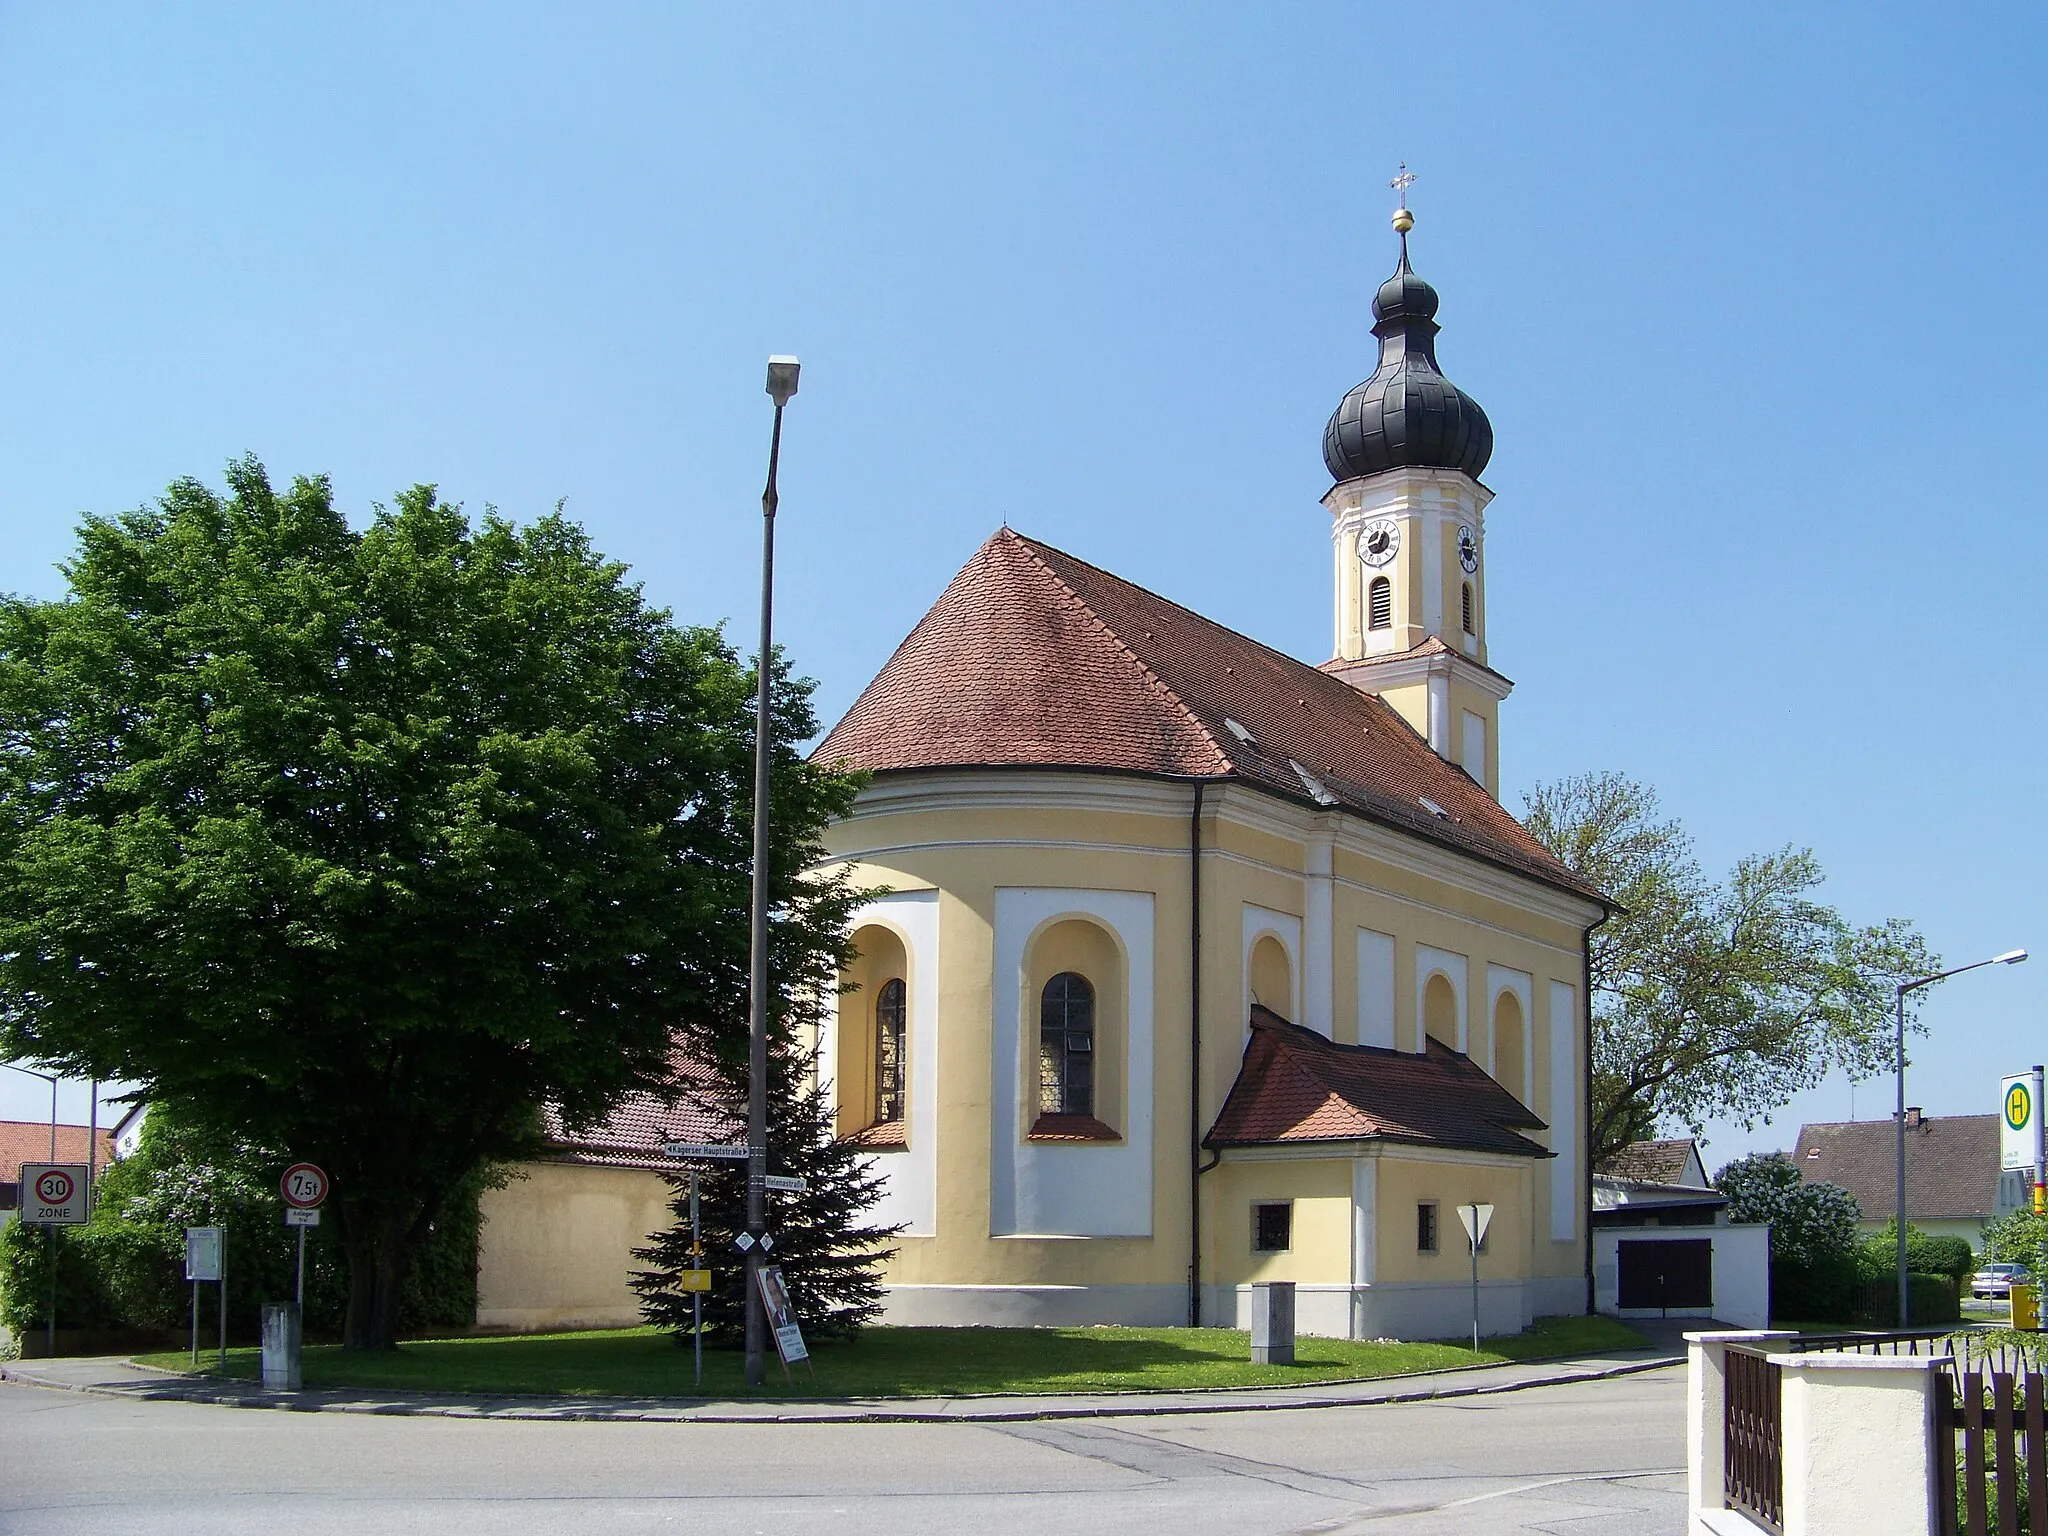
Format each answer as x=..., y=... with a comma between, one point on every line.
x=1379, y=604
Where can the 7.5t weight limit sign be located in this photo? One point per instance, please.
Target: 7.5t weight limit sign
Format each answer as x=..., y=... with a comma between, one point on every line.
x=303, y=1186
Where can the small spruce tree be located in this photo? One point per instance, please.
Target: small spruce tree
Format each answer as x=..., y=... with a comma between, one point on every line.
x=831, y=1258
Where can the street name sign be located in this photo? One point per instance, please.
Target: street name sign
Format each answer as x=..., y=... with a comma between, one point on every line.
x=718, y=1149
x=53, y=1194
x=786, y=1185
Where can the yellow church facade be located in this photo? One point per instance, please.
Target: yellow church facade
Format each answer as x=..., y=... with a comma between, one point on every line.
x=1187, y=964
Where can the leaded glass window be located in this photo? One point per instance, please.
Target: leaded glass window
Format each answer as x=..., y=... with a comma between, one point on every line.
x=890, y=1018
x=1066, y=1046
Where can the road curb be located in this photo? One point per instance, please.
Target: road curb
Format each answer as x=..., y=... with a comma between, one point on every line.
x=559, y=1411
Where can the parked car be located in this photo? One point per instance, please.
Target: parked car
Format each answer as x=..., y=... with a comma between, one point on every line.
x=1997, y=1280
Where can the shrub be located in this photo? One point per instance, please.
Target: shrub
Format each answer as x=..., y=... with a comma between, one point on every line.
x=126, y=1267
x=1878, y=1255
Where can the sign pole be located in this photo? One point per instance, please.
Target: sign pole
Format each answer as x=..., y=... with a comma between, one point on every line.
x=53, y=1291
x=1475, y=1290
x=299, y=1295
x=195, y=1325
x=222, y=1286
x=696, y=1297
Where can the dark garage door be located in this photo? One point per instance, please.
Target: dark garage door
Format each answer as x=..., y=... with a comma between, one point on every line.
x=1667, y=1274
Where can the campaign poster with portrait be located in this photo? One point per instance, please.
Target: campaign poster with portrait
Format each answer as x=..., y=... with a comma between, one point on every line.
x=789, y=1339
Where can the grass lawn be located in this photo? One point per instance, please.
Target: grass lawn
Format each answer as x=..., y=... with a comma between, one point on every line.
x=909, y=1362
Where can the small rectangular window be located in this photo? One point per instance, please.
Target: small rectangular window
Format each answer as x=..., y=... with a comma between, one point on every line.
x=1273, y=1227
x=1425, y=1227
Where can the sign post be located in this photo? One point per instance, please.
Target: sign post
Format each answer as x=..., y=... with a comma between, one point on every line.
x=54, y=1195
x=698, y=1280
x=304, y=1187
x=1475, y=1219
x=206, y=1259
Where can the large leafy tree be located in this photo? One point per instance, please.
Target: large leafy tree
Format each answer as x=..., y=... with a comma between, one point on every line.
x=1714, y=1000
x=362, y=844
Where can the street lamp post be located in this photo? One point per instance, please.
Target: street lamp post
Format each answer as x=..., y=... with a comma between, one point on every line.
x=52, y=1081
x=50, y=1233
x=782, y=376
x=2010, y=957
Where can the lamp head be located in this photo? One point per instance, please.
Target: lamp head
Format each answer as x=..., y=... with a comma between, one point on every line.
x=2010, y=957
x=782, y=372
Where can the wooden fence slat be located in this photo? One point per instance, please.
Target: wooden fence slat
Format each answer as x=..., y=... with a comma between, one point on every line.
x=1973, y=1455
x=2008, y=1463
x=2037, y=1456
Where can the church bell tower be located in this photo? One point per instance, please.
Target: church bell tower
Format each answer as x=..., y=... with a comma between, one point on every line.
x=1406, y=449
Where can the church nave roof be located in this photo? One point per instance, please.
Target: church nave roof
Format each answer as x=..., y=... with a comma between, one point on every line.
x=1034, y=658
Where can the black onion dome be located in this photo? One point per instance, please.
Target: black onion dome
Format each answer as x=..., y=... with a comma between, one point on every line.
x=1407, y=413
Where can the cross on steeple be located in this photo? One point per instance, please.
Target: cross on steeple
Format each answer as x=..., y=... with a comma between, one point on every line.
x=1403, y=219
x=1402, y=182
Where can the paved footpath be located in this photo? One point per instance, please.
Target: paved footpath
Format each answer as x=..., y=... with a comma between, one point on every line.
x=117, y=1377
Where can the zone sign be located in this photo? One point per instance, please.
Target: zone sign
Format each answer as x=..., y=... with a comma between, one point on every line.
x=303, y=1186
x=53, y=1194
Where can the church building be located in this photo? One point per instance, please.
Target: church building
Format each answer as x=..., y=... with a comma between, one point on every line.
x=1190, y=964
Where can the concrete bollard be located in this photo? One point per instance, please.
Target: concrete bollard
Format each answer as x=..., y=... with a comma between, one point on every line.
x=280, y=1346
x=1273, y=1322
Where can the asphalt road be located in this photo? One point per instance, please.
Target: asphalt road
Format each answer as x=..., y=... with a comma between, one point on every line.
x=1591, y=1459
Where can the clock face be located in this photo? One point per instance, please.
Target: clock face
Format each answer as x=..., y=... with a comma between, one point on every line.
x=1468, y=550
x=1379, y=542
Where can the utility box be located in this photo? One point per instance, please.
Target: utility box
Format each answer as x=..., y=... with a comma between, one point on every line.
x=280, y=1346
x=2026, y=1307
x=1273, y=1322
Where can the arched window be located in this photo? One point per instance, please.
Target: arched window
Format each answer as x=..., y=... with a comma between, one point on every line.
x=1468, y=610
x=1379, y=604
x=1440, y=1011
x=890, y=1018
x=1066, y=1046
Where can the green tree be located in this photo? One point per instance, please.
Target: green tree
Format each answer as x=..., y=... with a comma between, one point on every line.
x=1814, y=1252
x=362, y=844
x=830, y=1258
x=1710, y=1000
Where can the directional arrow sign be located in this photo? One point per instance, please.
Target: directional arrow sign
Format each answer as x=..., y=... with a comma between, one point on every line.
x=744, y=1241
x=1476, y=1219
x=682, y=1149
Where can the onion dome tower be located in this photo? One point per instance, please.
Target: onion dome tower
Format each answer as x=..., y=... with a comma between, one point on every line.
x=1406, y=448
x=1407, y=413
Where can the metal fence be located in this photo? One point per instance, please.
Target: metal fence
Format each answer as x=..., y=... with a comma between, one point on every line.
x=1753, y=1461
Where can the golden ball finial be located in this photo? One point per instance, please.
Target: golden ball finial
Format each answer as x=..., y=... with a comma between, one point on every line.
x=1403, y=221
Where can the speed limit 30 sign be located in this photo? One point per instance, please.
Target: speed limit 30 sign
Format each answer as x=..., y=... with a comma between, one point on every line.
x=303, y=1186
x=53, y=1194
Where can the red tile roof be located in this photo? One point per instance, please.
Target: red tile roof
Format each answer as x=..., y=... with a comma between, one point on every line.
x=28, y=1141
x=1032, y=658
x=1652, y=1162
x=1951, y=1165
x=701, y=1108
x=1295, y=1086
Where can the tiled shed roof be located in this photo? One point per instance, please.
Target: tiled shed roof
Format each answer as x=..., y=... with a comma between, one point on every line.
x=701, y=1108
x=1951, y=1165
x=1652, y=1162
x=1296, y=1086
x=1033, y=658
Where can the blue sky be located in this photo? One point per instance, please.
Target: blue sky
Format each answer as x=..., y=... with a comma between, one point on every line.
x=1752, y=295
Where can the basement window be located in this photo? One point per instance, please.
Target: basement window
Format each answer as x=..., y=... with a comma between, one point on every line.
x=1273, y=1226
